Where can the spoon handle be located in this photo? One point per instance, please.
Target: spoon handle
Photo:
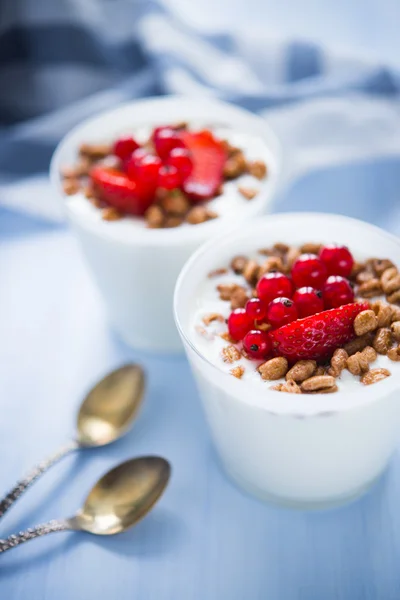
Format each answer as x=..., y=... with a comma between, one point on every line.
x=30, y=534
x=23, y=484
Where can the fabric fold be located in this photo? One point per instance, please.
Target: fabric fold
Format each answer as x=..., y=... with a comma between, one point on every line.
x=327, y=109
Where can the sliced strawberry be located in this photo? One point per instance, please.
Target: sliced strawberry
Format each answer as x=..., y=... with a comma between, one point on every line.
x=208, y=156
x=118, y=190
x=316, y=337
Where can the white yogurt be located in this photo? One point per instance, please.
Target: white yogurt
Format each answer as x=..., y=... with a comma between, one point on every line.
x=298, y=449
x=135, y=267
x=229, y=205
x=208, y=340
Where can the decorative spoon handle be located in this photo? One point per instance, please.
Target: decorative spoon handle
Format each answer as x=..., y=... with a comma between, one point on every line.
x=30, y=534
x=23, y=484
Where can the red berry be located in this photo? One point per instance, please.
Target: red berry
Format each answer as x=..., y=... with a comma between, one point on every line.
x=156, y=131
x=118, y=190
x=308, y=301
x=143, y=167
x=281, y=311
x=256, y=309
x=180, y=159
x=337, y=259
x=138, y=156
x=257, y=344
x=274, y=285
x=239, y=323
x=337, y=291
x=309, y=270
x=168, y=177
x=165, y=140
x=124, y=147
x=318, y=336
x=209, y=157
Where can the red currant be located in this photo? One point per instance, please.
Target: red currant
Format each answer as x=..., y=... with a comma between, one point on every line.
x=256, y=309
x=273, y=285
x=144, y=168
x=337, y=259
x=308, y=301
x=180, y=159
x=257, y=344
x=239, y=323
x=156, y=131
x=137, y=156
x=168, y=177
x=165, y=140
x=124, y=147
x=337, y=291
x=309, y=270
x=281, y=311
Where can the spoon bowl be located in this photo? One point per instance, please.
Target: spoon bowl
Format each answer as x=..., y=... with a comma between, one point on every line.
x=124, y=495
x=119, y=500
x=105, y=415
x=110, y=407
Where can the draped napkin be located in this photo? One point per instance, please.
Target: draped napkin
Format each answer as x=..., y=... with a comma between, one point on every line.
x=63, y=61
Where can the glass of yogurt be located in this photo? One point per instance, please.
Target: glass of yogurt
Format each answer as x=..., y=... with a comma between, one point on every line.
x=306, y=450
x=136, y=266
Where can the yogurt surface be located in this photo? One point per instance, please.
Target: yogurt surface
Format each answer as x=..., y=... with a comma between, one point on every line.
x=229, y=205
x=207, y=338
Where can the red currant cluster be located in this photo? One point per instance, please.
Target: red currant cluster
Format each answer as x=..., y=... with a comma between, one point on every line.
x=316, y=283
x=173, y=159
x=168, y=168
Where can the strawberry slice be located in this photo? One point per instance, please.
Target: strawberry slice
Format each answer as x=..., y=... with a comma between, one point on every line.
x=209, y=158
x=118, y=190
x=318, y=336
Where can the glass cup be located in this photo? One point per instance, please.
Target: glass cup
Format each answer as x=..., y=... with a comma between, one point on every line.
x=299, y=450
x=136, y=268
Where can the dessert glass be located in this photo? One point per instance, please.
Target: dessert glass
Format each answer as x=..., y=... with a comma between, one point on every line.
x=136, y=268
x=310, y=451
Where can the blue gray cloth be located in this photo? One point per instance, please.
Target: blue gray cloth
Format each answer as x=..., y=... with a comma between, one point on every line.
x=63, y=61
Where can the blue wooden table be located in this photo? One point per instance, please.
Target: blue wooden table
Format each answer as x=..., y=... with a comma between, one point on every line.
x=206, y=540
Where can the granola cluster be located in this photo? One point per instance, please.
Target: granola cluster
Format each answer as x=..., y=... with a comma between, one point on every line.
x=170, y=207
x=377, y=277
x=75, y=178
x=173, y=209
x=376, y=330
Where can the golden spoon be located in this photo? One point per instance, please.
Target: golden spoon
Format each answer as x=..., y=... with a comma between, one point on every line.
x=118, y=501
x=105, y=415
